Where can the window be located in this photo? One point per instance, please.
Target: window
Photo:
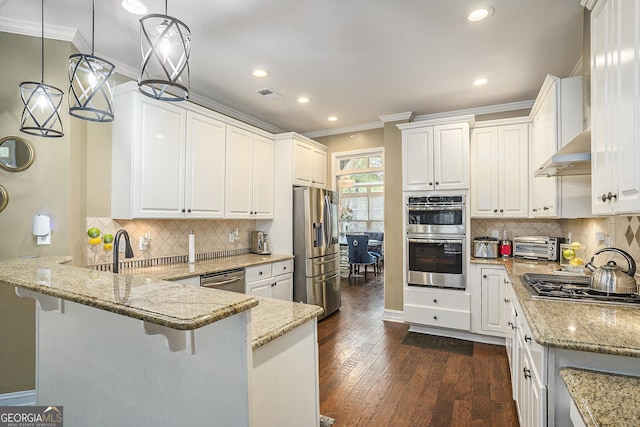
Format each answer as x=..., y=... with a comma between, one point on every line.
x=361, y=188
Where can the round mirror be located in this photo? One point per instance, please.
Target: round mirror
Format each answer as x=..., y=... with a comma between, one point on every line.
x=4, y=198
x=16, y=154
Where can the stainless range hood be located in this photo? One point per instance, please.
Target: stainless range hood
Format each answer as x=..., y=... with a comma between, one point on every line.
x=572, y=159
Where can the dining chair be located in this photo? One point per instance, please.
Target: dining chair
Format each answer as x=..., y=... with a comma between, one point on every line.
x=359, y=255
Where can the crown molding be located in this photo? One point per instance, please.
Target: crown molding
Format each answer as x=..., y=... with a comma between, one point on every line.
x=498, y=108
x=344, y=129
x=577, y=69
x=397, y=117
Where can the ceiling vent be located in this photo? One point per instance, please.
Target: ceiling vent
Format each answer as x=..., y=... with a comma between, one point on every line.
x=269, y=93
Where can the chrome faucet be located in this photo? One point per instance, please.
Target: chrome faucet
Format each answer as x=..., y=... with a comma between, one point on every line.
x=128, y=252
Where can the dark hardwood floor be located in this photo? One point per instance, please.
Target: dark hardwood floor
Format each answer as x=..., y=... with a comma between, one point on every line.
x=369, y=378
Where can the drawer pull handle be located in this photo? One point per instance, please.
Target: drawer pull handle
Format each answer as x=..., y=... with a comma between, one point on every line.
x=527, y=373
x=507, y=300
x=527, y=338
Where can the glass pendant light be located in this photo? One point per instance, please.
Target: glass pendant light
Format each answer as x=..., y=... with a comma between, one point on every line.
x=91, y=84
x=41, y=112
x=166, y=44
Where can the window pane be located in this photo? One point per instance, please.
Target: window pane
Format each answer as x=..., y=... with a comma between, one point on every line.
x=376, y=210
x=360, y=163
x=356, y=189
x=358, y=226
x=345, y=164
x=377, y=189
x=375, y=162
x=376, y=226
x=360, y=206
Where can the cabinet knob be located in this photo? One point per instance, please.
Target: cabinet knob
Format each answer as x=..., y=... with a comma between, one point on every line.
x=527, y=373
x=260, y=273
x=437, y=183
x=510, y=324
x=430, y=183
x=188, y=210
x=507, y=300
x=435, y=300
x=495, y=210
x=604, y=198
x=501, y=210
x=546, y=208
x=435, y=317
x=611, y=196
x=284, y=268
x=183, y=211
x=535, y=210
x=484, y=276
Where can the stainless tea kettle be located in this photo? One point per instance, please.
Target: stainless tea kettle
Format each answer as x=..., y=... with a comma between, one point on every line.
x=610, y=278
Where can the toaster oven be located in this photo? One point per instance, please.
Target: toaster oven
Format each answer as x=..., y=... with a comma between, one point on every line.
x=543, y=248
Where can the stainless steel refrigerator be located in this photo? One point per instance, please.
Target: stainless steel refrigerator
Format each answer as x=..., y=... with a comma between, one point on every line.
x=316, y=278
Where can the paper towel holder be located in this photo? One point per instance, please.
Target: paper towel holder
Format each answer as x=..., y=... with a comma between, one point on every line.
x=42, y=229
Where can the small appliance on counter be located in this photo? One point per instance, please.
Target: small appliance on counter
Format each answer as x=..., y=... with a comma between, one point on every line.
x=543, y=248
x=485, y=247
x=260, y=243
x=506, y=245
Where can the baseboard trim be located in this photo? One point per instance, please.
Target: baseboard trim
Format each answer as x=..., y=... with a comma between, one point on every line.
x=393, y=316
x=18, y=398
x=451, y=333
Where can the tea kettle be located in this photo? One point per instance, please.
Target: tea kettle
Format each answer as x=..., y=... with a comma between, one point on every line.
x=610, y=278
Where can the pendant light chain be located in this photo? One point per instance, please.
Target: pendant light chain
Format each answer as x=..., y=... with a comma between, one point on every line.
x=42, y=45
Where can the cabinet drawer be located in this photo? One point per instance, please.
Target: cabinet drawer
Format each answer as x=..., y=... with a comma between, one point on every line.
x=453, y=319
x=535, y=350
x=441, y=299
x=282, y=267
x=258, y=272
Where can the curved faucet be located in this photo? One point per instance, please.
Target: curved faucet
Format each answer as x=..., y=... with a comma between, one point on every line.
x=128, y=252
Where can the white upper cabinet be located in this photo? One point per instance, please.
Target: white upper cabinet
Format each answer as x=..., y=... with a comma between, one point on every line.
x=499, y=169
x=435, y=154
x=249, y=176
x=310, y=164
x=615, y=102
x=556, y=118
x=166, y=161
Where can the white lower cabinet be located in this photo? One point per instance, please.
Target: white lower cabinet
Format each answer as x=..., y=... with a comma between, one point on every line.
x=487, y=288
x=437, y=307
x=271, y=280
x=531, y=389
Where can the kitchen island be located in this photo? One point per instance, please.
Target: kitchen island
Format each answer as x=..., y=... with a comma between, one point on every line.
x=569, y=334
x=132, y=350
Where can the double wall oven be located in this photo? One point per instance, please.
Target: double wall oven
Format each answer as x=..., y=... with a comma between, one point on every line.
x=435, y=241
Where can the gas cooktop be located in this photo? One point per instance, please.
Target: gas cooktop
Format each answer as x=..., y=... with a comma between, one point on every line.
x=571, y=288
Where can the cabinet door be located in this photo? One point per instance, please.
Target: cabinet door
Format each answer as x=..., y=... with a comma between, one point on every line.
x=319, y=159
x=417, y=155
x=492, y=288
x=303, y=164
x=283, y=287
x=260, y=289
x=484, y=172
x=513, y=152
x=451, y=156
x=205, y=167
x=239, y=165
x=160, y=155
x=263, y=177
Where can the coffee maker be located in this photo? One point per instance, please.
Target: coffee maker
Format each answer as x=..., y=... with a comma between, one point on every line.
x=260, y=243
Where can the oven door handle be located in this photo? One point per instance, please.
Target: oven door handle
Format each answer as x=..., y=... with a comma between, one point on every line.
x=434, y=208
x=435, y=240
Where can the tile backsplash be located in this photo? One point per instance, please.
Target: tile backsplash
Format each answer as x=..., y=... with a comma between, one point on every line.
x=622, y=231
x=171, y=237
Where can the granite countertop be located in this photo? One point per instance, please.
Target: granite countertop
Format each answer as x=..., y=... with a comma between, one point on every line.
x=183, y=270
x=169, y=304
x=594, y=327
x=604, y=399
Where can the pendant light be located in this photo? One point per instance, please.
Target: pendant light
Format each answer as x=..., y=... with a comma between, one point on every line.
x=91, y=84
x=166, y=44
x=41, y=112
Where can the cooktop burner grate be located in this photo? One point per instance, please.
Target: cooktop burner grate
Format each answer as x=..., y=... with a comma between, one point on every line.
x=572, y=288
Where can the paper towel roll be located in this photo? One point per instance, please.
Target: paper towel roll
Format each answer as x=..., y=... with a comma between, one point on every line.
x=192, y=248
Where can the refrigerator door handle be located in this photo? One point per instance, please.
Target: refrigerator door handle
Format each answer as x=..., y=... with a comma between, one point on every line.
x=327, y=221
x=327, y=261
x=329, y=278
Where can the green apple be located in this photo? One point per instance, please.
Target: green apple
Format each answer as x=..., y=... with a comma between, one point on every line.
x=568, y=253
x=93, y=232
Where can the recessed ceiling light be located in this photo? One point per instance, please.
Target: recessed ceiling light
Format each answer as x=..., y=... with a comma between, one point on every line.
x=479, y=14
x=481, y=81
x=134, y=6
x=332, y=118
x=304, y=100
x=260, y=73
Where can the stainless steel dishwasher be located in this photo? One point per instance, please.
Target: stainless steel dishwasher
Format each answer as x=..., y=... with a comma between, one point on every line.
x=229, y=280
